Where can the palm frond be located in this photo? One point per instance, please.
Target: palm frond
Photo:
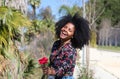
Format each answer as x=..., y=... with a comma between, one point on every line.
x=11, y=20
x=64, y=9
x=69, y=10
x=13, y=17
x=36, y=3
x=3, y=41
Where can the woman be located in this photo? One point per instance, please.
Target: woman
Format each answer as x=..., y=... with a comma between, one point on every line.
x=72, y=32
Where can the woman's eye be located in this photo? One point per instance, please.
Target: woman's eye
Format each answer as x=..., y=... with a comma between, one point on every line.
x=70, y=30
x=65, y=26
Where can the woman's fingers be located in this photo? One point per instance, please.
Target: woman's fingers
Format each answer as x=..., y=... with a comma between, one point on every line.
x=45, y=70
x=51, y=71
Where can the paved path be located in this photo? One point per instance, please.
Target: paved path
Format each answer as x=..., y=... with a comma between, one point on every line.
x=105, y=65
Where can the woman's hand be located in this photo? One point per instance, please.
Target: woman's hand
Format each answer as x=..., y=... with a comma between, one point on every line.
x=48, y=70
x=45, y=70
x=51, y=71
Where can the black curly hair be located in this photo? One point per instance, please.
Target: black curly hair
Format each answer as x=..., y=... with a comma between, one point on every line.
x=82, y=32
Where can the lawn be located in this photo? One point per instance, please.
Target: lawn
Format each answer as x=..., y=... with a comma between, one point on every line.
x=110, y=48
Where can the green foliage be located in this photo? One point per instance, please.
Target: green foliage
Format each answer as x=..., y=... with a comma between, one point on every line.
x=112, y=10
x=110, y=48
x=14, y=64
x=38, y=27
x=86, y=74
x=13, y=18
x=10, y=21
x=43, y=25
x=46, y=13
x=18, y=65
x=35, y=3
x=69, y=10
x=30, y=69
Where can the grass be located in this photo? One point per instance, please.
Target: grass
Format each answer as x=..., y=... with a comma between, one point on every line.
x=110, y=48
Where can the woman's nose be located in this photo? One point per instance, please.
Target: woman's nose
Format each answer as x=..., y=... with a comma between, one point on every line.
x=66, y=29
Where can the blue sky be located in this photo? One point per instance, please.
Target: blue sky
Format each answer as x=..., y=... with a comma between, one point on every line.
x=55, y=5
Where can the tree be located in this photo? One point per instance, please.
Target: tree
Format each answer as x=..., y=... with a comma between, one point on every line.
x=19, y=5
x=69, y=10
x=104, y=33
x=10, y=21
x=46, y=13
x=47, y=17
x=34, y=4
x=94, y=11
x=103, y=9
x=112, y=11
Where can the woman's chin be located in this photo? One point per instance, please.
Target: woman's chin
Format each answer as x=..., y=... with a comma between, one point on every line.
x=62, y=37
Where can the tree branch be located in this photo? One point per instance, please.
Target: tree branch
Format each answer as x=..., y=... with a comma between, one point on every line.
x=97, y=17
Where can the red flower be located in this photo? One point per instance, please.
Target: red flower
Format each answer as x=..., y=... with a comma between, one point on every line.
x=43, y=60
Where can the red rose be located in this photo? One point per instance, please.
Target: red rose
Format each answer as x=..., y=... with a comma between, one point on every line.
x=43, y=60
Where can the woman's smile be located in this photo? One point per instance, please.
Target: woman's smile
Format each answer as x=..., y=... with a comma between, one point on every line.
x=63, y=34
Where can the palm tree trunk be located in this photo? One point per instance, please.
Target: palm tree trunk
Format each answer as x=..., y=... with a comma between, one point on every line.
x=34, y=12
x=84, y=12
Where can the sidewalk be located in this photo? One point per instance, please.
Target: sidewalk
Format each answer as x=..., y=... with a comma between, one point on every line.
x=106, y=62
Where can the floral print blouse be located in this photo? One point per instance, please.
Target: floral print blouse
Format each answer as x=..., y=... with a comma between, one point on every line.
x=63, y=60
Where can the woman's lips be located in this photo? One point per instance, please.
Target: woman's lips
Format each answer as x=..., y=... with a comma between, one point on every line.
x=63, y=34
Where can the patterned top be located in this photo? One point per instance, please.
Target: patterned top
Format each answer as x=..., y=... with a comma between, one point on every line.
x=63, y=60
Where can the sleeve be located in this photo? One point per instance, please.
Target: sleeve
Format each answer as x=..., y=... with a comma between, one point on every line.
x=67, y=63
x=52, y=55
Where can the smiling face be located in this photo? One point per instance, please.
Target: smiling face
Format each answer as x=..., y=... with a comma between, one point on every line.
x=67, y=31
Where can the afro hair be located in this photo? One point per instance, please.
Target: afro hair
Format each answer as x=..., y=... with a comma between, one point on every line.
x=82, y=32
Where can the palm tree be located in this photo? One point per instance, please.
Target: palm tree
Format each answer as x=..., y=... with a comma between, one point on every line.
x=47, y=17
x=45, y=23
x=69, y=10
x=10, y=21
x=46, y=13
x=34, y=4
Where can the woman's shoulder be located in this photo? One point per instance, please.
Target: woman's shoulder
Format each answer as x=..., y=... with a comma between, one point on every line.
x=56, y=43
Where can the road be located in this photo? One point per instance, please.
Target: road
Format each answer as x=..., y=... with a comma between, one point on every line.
x=104, y=64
